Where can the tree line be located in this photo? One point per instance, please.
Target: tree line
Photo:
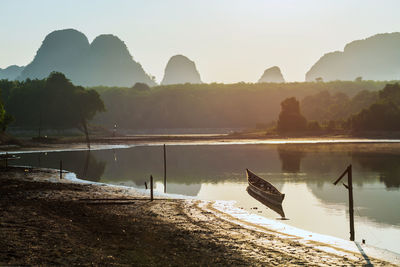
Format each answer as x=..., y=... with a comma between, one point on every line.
x=55, y=103
x=366, y=111
x=383, y=115
x=51, y=103
x=215, y=105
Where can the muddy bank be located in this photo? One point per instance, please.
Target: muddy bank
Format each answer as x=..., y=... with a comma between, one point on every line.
x=48, y=223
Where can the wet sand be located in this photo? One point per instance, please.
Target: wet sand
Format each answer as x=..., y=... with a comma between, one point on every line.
x=47, y=221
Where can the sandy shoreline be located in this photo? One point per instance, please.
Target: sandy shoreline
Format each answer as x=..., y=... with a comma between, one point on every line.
x=46, y=221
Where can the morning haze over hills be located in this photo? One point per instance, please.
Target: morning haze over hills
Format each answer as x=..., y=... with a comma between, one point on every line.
x=128, y=128
x=374, y=58
x=180, y=69
x=106, y=61
x=272, y=75
x=11, y=72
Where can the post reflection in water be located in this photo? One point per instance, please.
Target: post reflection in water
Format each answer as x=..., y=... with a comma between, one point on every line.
x=115, y=155
x=304, y=172
x=92, y=170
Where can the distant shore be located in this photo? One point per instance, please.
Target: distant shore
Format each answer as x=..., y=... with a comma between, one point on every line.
x=48, y=221
x=44, y=144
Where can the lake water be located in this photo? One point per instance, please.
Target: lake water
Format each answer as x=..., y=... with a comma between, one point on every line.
x=304, y=172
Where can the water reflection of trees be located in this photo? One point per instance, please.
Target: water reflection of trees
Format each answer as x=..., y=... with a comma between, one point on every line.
x=377, y=204
x=83, y=163
x=290, y=157
x=324, y=162
x=387, y=165
x=189, y=190
x=215, y=164
x=190, y=164
x=92, y=169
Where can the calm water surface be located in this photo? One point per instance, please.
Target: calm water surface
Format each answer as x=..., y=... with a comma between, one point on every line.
x=304, y=172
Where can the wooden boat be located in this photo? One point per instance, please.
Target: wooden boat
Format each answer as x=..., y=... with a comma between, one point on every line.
x=263, y=189
x=277, y=207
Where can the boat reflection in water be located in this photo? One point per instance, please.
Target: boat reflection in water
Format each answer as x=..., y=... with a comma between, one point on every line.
x=277, y=207
x=265, y=193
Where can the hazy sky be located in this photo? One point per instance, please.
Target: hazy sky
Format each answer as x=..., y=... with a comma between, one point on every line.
x=229, y=40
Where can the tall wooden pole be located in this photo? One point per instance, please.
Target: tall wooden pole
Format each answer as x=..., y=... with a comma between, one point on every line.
x=60, y=169
x=351, y=210
x=40, y=123
x=165, y=170
x=151, y=187
x=349, y=187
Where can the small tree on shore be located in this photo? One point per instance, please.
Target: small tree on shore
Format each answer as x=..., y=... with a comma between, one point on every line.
x=70, y=106
x=290, y=118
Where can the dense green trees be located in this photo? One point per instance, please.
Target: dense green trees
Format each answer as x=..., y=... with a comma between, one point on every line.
x=215, y=105
x=56, y=103
x=324, y=106
x=380, y=111
x=25, y=102
x=141, y=86
x=391, y=93
x=5, y=117
x=381, y=116
x=6, y=86
x=366, y=111
x=52, y=103
x=384, y=115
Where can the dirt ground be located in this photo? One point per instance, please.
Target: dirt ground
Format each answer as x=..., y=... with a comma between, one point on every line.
x=47, y=223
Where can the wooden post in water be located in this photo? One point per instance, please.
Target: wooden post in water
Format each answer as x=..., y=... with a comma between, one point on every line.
x=151, y=187
x=351, y=210
x=60, y=169
x=165, y=170
x=349, y=187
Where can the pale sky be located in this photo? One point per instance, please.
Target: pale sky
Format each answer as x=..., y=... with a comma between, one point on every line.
x=229, y=40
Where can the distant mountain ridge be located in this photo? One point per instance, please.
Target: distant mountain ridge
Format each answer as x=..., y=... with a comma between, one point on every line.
x=272, y=75
x=373, y=58
x=11, y=72
x=106, y=61
x=180, y=69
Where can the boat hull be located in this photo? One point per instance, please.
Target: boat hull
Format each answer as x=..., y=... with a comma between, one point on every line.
x=268, y=196
x=264, y=189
